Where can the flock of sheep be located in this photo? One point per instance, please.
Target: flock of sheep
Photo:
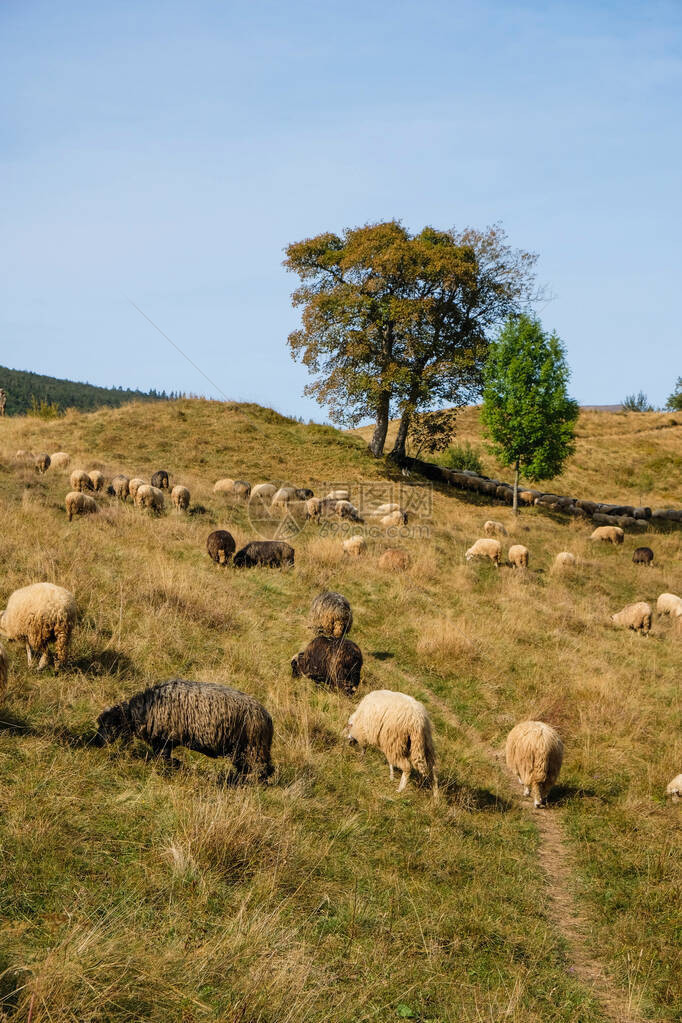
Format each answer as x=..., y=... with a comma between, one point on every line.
x=217, y=720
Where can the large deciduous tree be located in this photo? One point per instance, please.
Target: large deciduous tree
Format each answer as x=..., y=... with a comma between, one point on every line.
x=395, y=323
x=527, y=412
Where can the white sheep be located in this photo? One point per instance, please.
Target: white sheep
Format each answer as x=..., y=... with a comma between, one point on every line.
x=634, y=616
x=283, y=497
x=79, y=480
x=60, y=460
x=134, y=485
x=385, y=509
x=518, y=555
x=180, y=498
x=150, y=498
x=263, y=492
x=120, y=487
x=78, y=503
x=534, y=752
x=565, y=559
x=39, y=614
x=223, y=486
x=486, y=548
x=4, y=672
x=669, y=604
x=394, y=518
x=674, y=789
x=608, y=534
x=355, y=545
x=97, y=479
x=491, y=528
x=400, y=727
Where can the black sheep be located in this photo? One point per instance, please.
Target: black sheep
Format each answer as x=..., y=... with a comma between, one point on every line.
x=220, y=546
x=203, y=716
x=643, y=556
x=332, y=662
x=160, y=479
x=269, y=553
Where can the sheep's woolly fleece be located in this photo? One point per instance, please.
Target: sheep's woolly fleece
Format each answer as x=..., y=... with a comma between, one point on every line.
x=39, y=614
x=202, y=716
x=400, y=727
x=534, y=752
x=331, y=615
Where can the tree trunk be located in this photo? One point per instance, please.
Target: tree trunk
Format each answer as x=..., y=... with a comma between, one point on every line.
x=516, y=488
x=401, y=436
x=376, y=445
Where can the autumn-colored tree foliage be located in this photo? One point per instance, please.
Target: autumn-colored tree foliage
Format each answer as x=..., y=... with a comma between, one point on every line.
x=395, y=323
x=527, y=412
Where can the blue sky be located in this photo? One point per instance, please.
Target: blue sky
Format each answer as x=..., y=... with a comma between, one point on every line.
x=165, y=153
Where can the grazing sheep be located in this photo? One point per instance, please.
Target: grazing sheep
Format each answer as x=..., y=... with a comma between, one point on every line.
x=78, y=503
x=283, y=498
x=674, y=789
x=400, y=726
x=80, y=480
x=304, y=493
x=355, y=545
x=150, y=498
x=42, y=462
x=120, y=486
x=518, y=556
x=269, y=553
x=97, y=479
x=160, y=480
x=344, y=510
x=223, y=486
x=180, y=498
x=241, y=490
x=220, y=546
x=4, y=672
x=609, y=534
x=331, y=662
x=203, y=716
x=134, y=485
x=331, y=615
x=395, y=559
x=313, y=508
x=24, y=456
x=385, y=509
x=487, y=548
x=534, y=752
x=634, y=616
x=60, y=460
x=394, y=518
x=669, y=604
x=565, y=560
x=338, y=495
x=492, y=527
x=643, y=556
x=263, y=492
x=39, y=614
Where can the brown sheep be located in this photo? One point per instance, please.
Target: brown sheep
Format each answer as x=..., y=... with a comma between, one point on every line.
x=220, y=546
x=80, y=480
x=643, y=556
x=268, y=553
x=395, y=559
x=332, y=662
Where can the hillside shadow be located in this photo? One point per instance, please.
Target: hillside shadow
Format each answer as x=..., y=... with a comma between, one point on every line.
x=381, y=655
x=14, y=724
x=105, y=662
x=563, y=794
x=471, y=798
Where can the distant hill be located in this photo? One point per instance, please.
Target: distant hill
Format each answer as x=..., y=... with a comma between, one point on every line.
x=22, y=387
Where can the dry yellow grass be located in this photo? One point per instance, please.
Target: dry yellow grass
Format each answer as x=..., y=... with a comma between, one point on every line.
x=130, y=891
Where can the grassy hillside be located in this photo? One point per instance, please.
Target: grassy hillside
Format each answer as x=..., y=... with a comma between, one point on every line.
x=130, y=891
x=628, y=457
x=24, y=388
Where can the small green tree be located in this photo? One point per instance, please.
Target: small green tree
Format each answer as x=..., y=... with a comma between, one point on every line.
x=674, y=402
x=637, y=403
x=527, y=412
